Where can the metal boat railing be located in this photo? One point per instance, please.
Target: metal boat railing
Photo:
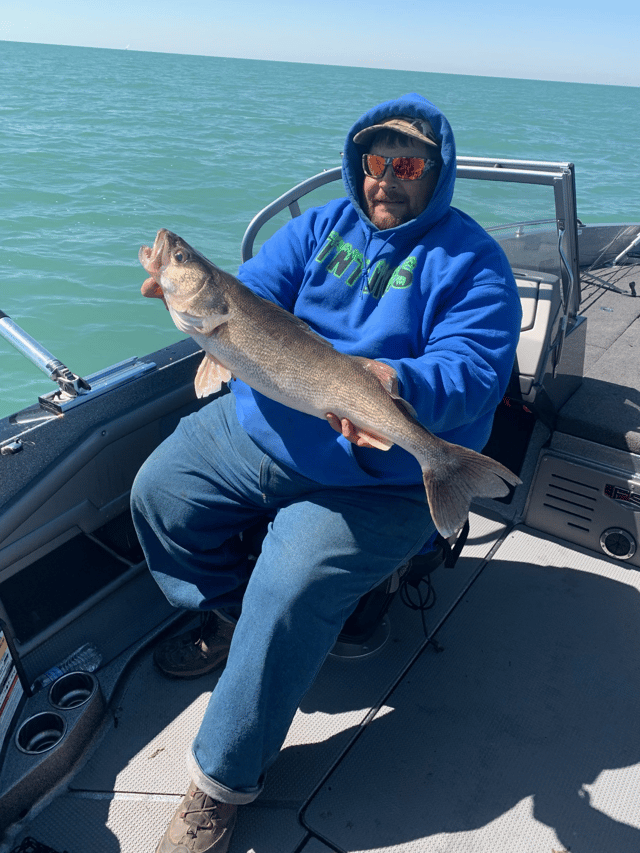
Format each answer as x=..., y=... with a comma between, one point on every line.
x=559, y=176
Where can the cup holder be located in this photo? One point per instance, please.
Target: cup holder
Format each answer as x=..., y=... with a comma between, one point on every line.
x=40, y=733
x=72, y=690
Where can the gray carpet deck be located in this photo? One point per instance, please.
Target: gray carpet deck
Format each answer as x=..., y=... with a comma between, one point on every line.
x=521, y=735
x=137, y=776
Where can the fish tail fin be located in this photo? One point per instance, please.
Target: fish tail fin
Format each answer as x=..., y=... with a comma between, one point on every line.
x=459, y=476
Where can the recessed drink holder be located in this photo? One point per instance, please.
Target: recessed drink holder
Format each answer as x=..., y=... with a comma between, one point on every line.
x=57, y=727
x=72, y=690
x=40, y=733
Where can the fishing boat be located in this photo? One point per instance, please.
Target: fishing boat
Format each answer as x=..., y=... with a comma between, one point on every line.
x=484, y=699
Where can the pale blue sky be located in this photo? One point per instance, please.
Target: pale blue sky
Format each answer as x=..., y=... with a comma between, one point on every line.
x=574, y=41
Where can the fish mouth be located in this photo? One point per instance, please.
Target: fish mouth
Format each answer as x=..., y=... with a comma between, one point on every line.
x=153, y=258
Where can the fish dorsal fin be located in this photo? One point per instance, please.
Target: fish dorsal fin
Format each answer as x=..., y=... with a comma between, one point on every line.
x=388, y=378
x=210, y=376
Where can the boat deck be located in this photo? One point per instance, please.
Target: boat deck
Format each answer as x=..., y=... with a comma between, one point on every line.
x=519, y=736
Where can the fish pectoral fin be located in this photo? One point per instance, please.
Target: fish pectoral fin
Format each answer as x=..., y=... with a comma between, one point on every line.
x=186, y=323
x=374, y=440
x=210, y=376
x=191, y=324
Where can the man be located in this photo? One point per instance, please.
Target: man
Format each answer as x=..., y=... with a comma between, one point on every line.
x=392, y=273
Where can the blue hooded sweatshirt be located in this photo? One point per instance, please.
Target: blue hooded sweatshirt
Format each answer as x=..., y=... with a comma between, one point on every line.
x=434, y=298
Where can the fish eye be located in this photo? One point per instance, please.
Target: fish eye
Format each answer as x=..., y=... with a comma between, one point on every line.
x=179, y=256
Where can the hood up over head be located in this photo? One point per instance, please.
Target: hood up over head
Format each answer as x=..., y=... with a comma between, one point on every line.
x=431, y=126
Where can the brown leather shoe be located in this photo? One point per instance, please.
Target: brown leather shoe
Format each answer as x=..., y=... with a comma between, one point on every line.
x=196, y=652
x=201, y=825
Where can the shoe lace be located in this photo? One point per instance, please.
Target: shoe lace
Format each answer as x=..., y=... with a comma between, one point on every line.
x=200, y=634
x=202, y=812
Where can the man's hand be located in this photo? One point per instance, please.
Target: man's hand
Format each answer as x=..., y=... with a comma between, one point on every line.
x=152, y=290
x=388, y=379
x=349, y=431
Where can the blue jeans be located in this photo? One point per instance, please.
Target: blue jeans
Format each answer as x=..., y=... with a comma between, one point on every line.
x=325, y=548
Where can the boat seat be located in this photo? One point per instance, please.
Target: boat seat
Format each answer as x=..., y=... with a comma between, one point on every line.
x=537, y=380
x=540, y=300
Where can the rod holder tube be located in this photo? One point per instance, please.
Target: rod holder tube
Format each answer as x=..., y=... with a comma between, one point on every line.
x=626, y=251
x=28, y=346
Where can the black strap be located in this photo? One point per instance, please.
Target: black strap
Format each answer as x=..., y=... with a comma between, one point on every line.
x=452, y=552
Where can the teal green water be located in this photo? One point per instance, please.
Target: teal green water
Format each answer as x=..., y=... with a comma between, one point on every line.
x=100, y=148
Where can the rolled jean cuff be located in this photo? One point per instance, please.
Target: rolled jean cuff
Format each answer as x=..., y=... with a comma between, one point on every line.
x=216, y=789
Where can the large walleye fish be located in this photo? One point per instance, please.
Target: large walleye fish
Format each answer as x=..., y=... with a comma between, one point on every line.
x=278, y=355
